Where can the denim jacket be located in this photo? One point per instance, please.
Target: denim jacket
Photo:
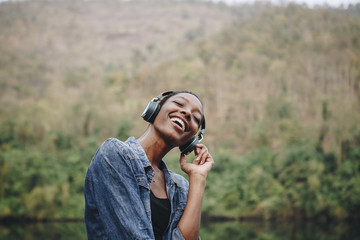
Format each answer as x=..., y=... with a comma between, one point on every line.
x=117, y=193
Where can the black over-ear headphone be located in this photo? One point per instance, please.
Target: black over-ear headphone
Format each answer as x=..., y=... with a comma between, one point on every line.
x=151, y=111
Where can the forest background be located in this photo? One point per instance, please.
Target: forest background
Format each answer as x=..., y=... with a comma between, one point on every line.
x=280, y=86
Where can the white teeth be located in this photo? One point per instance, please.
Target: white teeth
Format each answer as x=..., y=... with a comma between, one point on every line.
x=179, y=121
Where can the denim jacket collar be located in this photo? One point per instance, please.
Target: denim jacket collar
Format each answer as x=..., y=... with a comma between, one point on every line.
x=149, y=170
x=140, y=153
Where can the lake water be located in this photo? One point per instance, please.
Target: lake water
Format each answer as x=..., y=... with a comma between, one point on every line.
x=243, y=230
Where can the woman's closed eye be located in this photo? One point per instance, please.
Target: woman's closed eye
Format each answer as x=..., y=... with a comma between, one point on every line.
x=196, y=120
x=178, y=103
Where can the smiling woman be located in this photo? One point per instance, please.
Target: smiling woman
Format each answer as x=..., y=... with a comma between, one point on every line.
x=130, y=193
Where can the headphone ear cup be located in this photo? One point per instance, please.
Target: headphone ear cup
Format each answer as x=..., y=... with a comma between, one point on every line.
x=189, y=146
x=150, y=112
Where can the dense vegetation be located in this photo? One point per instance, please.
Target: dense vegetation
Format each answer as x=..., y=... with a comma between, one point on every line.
x=280, y=85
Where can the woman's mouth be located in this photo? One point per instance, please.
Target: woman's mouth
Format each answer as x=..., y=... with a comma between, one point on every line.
x=178, y=122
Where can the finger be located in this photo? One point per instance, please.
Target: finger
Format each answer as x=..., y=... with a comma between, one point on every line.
x=210, y=160
x=198, y=154
x=197, y=159
x=201, y=149
x=204, y=158
x=199, y=146
x=182, y=160
x=201, y=157
x=197, y=150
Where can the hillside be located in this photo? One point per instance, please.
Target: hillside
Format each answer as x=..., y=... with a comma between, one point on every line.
x=56, y=54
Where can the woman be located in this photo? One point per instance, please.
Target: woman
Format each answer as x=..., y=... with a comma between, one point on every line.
x=130, y=193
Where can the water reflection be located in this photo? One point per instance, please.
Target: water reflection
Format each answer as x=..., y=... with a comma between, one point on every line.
x=280, y=231
x=32, y=231
x=243, y=230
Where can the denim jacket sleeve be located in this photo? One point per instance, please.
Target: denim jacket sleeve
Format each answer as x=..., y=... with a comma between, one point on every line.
x=113, y=209
x=179, y=198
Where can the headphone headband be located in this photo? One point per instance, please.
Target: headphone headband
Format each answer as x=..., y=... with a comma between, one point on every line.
x=158, y=98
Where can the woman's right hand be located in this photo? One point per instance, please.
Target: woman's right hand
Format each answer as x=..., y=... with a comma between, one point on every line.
x=202, y=163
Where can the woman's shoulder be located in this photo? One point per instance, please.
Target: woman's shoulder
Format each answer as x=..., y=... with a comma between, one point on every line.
x=128, y=150
x=112, y=144
x=113, y=149
x=116, y=154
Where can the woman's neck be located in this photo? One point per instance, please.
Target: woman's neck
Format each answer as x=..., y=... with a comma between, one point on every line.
x=154, y=146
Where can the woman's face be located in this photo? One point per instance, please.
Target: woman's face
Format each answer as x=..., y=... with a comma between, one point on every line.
x=179, y=118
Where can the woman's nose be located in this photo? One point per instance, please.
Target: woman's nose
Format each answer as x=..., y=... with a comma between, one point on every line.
x=186, y=113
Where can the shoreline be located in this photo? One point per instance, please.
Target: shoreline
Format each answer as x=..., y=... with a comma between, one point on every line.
x=26, y=220
x=205, y=219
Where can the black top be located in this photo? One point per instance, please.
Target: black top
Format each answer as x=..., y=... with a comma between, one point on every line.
x=160, y=214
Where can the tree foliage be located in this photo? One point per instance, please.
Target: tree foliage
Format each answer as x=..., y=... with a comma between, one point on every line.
x=280, y=87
